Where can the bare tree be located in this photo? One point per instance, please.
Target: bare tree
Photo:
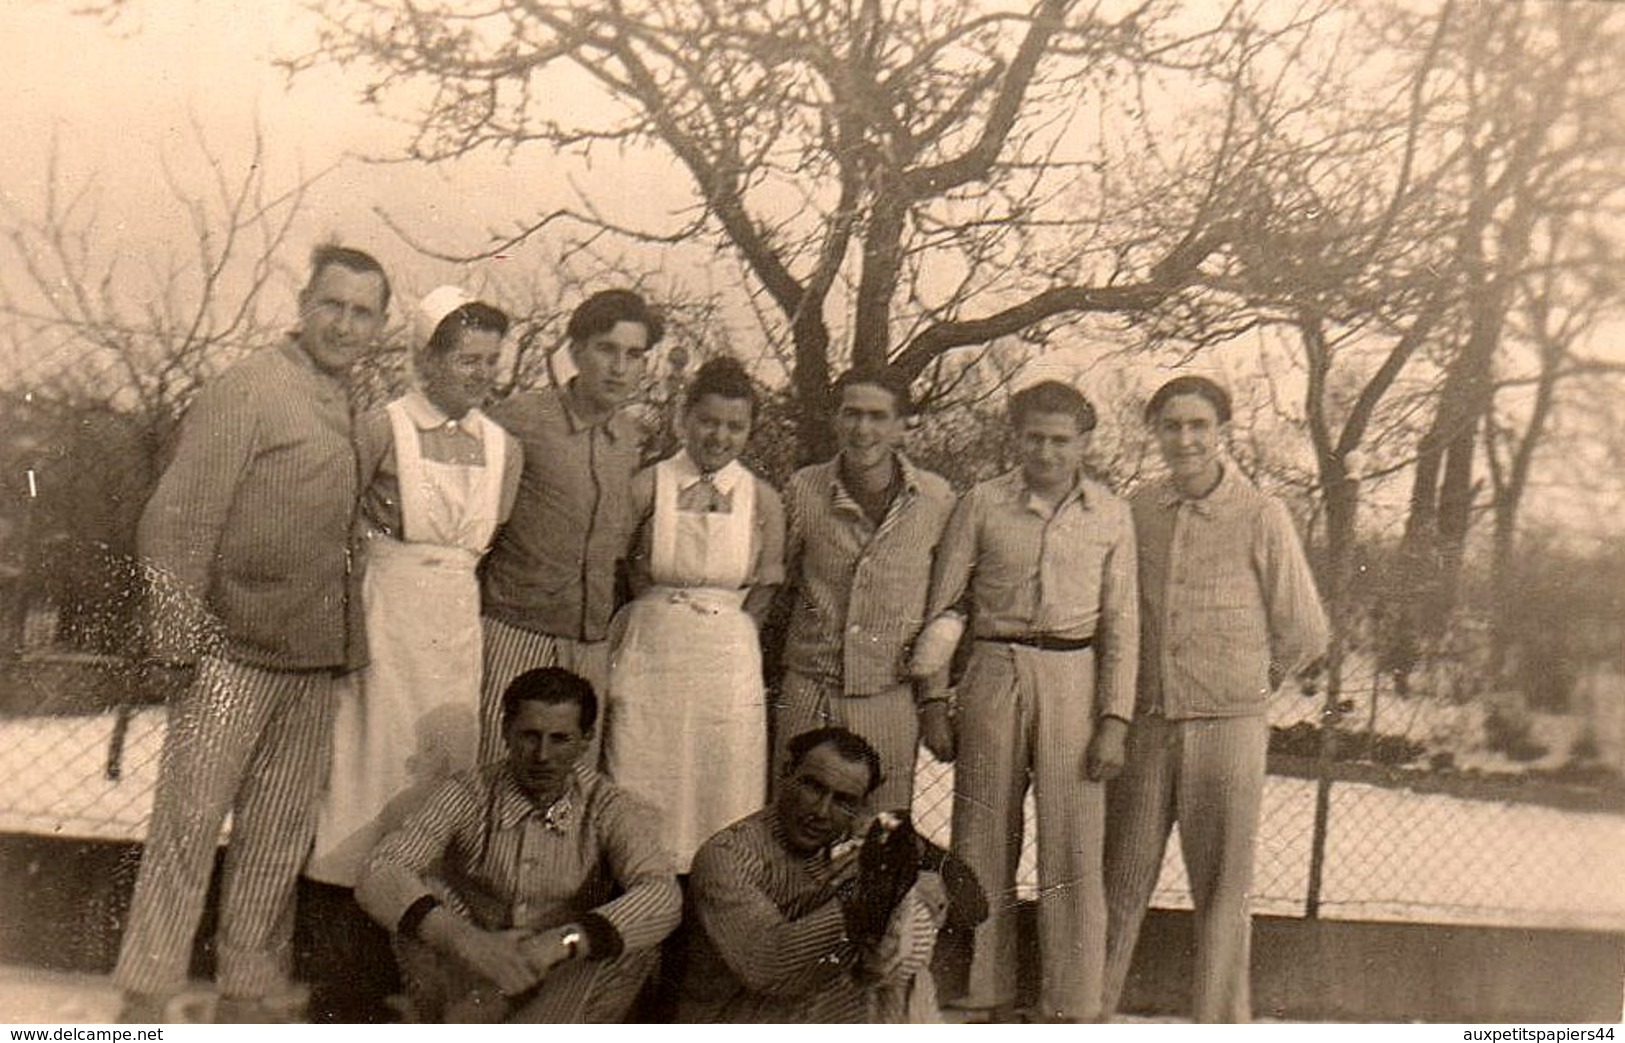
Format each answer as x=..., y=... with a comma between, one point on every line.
x=885, y=175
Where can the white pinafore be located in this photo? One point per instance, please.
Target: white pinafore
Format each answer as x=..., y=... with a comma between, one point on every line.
x=686, y=720
x=412, y=717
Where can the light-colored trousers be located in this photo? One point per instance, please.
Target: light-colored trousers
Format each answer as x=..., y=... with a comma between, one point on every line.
x=1208, y=775
x=887, y=719
x=256, y=743
x=508, y=652
x=442, y=990
x=1026, y=714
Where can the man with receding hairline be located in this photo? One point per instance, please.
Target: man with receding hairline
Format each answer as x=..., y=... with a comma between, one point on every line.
x=247, y=543
x=1046, y=555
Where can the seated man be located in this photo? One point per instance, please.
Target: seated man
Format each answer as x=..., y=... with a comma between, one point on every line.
x=782, y=929
x=499, y=890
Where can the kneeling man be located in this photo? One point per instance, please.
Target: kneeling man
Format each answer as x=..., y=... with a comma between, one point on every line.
x=532, y=890
x=786, y=926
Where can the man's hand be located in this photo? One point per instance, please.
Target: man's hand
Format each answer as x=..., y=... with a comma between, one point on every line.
x=1107, y=750
x=495, y=955
x=937, y=730
x=547, y=950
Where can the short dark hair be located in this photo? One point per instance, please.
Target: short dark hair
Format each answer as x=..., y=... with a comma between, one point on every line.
x=552, y=686
x=850, y=745
x=475, y=315
x=600, y=312
x=1190, y=384
x=1052, y=396
x=887, y=380
x=724, y=377
x=328, y=254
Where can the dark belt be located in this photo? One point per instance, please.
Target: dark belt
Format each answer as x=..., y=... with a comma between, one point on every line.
x=1046, y=642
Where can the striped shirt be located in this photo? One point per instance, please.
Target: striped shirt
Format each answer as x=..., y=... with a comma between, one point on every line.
x=497, y=858
x=860, y=588
x=1033, y=569
x=769, y=944
x=1225, y=592
x=246, y=538
x=552, y=568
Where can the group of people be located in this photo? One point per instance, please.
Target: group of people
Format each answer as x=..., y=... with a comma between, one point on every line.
x=470, y=775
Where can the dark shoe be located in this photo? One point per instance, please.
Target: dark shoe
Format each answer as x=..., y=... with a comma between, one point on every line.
x=144, y=1008
x=260, y=1010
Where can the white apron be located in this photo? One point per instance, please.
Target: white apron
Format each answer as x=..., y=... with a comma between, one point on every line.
x=686, y=719
x=412, y=718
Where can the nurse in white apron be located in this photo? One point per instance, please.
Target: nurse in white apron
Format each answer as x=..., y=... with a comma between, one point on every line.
x=438, y=478
x=685, y=722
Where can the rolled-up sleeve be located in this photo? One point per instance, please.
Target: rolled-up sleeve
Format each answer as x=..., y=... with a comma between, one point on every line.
x=770, y=953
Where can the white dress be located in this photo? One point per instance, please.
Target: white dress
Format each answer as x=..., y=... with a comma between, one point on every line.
x=686, y=719
x=412, y=717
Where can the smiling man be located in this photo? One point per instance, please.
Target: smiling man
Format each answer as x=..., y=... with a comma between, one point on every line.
x=548, y=584
x=1047, y=556
x=778, y=922
x=246, y=544
x=863, y=530
x=1230, y=610
x=533, y=890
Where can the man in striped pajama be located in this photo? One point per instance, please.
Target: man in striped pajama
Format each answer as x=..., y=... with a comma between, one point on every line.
x=246, y=543
x=532, y=890
x=1047, y=556
x=781, y=926
x=1229, y=610
x=548, y=585
x=863, y=531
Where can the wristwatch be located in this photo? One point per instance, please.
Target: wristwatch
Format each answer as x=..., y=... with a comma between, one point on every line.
x=571, y=939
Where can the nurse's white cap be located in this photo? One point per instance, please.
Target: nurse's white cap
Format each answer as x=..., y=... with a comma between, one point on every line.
x=440, y=302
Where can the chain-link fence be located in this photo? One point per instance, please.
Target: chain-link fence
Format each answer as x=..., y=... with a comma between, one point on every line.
x=1390, y=848
x=1444, y=834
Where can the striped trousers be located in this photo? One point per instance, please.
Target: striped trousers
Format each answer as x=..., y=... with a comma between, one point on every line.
x=1208, y=775
x=1025, y=714
x=887, y=719
x=254, y=742
x=509, y=651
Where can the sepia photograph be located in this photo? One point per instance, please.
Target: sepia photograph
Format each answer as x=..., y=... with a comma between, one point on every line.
x=812, y=511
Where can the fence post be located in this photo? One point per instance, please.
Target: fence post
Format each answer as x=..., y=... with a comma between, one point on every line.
x=1329, y=713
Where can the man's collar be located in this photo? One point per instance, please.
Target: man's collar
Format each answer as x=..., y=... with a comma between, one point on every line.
x=1014, y=488
x=514, y=805
x=689, y=474
x=908, y=476
x=1215, y=500
x=613, y=425
x=295, y=353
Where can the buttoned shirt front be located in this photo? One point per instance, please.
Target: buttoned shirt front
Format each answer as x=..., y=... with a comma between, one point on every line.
x=496, y=857
x=860, y=588
x=1064, y=570
x=1225, y=591
x=769, y=944
x=552, y=568
x=246, y=538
